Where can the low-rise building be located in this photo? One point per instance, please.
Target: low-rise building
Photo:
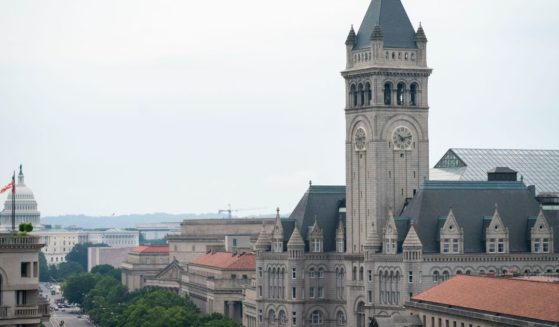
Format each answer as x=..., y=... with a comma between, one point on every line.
x=58, y=243
x=143, y=262
x=215, y=282
x=106, y=256
x=158, y=231
x=481, y=301
x=20, y=303
x=115, y=237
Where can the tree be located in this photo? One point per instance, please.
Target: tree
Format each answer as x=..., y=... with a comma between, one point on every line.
x=44, y=275
x=106, y=270
x=65, y=270
x=78, y=254
x=76, y=287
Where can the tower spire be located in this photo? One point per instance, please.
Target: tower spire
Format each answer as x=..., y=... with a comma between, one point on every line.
x=20, y=177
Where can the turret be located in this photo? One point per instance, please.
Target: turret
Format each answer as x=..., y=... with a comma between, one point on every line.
x=372, y=244
x=263, y=242
x=421, y=42
x=296, y=245
x=350, y=43
x=277, y=234
x=377, y=42
x=340, y=237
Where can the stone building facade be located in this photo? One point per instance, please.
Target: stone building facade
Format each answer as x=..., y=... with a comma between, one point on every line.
x=353, y=255
x=20, y=302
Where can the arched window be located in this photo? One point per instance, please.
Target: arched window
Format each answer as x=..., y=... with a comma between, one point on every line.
x=272, y=316
x=368, y=94
x=316, y=318
x=387, y=94
x=353, y=94
x=361, y=314
x=361, y=94
x=354, y=274
x=436, y=276
x=312, y=273
x=340, y=318
x=320, y=272
x=413, y=94
x=446, y=275
x=400, y=93
x=282, y=318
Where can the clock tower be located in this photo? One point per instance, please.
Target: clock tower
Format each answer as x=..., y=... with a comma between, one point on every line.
x=387, y=143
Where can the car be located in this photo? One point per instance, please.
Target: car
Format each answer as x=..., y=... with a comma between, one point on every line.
x=79, y=316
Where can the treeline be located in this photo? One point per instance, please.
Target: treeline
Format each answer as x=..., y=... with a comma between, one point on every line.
x=108, y=303
x=76, y=262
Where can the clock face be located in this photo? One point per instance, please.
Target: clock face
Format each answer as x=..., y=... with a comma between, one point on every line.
x=402, y=138
x=360, y=139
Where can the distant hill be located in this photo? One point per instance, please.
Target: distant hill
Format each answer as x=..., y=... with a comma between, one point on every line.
x=127, y=221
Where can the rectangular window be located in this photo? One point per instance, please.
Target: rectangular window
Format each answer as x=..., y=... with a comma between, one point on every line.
x=259, y=271
x=370, y=275
x=21, y=298
x=491, y=245
x=455, y=247
x=501, y=246
x=370, y=296
x=293, y=273
x=294, y=293
x=311, y=292
x=260, y=315
x=321, y=292
x=545, y=245
x=294, y=317
x=446, y=245
x=35, y=269
x=410, y=277
x=260, y=290
x=25, y=269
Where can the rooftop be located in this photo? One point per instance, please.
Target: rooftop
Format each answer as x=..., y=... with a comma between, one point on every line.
x=151, y=249
x=227, y=261
x=536, y=167
x=534, y=300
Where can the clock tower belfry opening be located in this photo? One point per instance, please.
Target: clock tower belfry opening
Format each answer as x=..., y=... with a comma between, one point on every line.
x=387, y=143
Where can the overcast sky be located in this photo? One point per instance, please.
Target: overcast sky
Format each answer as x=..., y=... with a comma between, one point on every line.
x=186, y=106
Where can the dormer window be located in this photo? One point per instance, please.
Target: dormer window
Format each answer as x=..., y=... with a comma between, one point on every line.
x=496, y=235
x=340, y=246
x=316, y=245
x=542, y=235
x=452, y=236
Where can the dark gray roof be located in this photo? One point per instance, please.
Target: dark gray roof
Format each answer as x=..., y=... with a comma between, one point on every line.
x=393, y=20
x=322, y=202
x=473, y=204
x=537, y=167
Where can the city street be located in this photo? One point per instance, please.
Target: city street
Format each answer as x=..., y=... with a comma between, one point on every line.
x=70, y=319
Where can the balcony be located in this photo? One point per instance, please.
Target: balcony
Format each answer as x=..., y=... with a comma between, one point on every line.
x=19, y=241
x=26, y=312
x=3, y=312
x=21, y=312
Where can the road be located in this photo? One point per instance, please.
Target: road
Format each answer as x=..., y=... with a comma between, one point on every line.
x=70, y=319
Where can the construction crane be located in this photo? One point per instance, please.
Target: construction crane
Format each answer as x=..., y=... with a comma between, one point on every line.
x=230, y=211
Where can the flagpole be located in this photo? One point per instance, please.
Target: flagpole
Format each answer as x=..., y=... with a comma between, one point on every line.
x=14, y=202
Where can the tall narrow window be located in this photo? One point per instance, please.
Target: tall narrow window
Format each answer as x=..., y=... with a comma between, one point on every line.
x=387, y=94
x=361, y=92
x=400, y=93
x=368, y=94
x=413, y=94
x=353, y=94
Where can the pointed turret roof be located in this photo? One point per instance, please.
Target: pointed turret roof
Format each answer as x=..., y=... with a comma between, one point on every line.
x=315, y=229
x=295, y=239
x=420, y=35
x=278, y=227
x=392, y=19
x=351, y=37
x=377, y=34
x=412, y=240
x=496, y=224
x=264, y=238
x=340, y=231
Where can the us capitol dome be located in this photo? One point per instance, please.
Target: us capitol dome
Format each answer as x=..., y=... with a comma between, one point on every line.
x=26, y=207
